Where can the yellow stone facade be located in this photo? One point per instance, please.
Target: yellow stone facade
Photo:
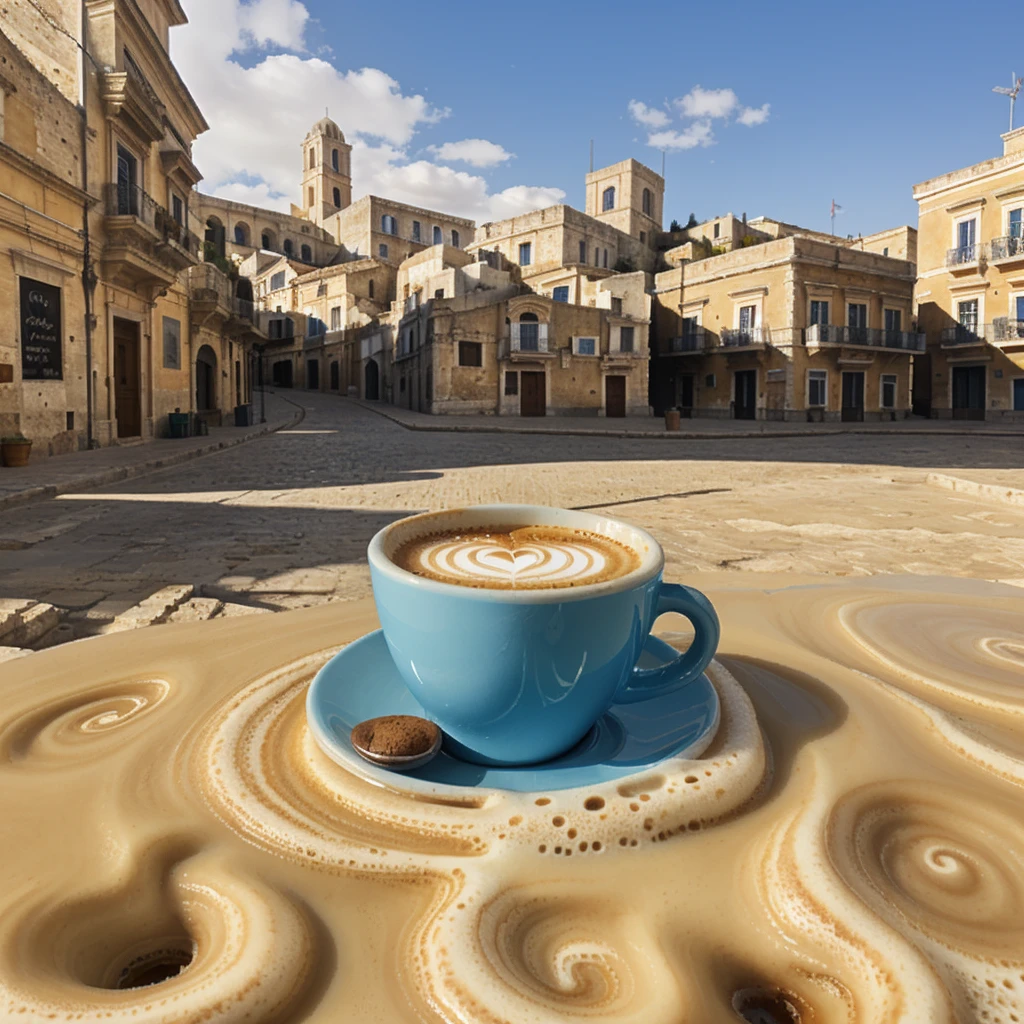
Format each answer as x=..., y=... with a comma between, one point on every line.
x=98, y=221
x=793, y=329
x=970, y=289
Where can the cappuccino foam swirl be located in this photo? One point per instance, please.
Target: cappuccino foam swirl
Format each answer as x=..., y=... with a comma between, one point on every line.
x=518, y=559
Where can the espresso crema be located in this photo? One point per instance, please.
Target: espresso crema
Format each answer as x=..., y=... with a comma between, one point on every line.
x=517, y=558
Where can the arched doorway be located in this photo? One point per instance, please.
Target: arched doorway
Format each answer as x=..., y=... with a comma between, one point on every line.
x=206, y=379
x=371, y=390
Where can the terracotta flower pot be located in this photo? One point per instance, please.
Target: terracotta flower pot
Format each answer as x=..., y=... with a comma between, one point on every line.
x=671, y=419
x=15, y=453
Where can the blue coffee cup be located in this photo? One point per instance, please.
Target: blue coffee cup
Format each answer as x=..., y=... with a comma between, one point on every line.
x=520, y=676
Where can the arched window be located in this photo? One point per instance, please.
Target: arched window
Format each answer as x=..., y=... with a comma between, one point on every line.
x=648, y=201
x=337, y=198
x=289, y=248
x=312, y=196
x=608, y=199
x=265, y=241
x=438, y=236
x=241, y=234
x=312, y=158
x=388, y=224
x=455, y=238
x=334, y=159
x=307, y=254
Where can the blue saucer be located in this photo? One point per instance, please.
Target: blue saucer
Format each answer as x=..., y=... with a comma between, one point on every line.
x=361, y=682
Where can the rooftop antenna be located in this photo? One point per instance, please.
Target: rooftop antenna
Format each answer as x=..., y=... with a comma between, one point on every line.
x=1012, y=92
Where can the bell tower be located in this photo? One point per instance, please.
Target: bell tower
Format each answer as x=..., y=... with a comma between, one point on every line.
x=326, y=172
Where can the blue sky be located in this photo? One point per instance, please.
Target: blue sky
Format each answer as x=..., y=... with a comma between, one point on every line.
x=862, y=100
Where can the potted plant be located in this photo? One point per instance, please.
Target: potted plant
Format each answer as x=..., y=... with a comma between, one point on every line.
x=672, y=418
x=14, y=450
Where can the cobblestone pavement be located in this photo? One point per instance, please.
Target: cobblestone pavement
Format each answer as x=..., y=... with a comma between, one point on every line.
x=283, y=521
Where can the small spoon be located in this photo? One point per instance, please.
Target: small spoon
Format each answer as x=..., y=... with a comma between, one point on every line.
x=398, y=742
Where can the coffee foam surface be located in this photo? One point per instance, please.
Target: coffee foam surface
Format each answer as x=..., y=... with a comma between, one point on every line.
x=519, y=558
x=849, y=846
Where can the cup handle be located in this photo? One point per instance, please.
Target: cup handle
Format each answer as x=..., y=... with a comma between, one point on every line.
x=645, y=683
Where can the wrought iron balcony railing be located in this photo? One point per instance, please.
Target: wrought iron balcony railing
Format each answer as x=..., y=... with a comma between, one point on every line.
x=870, y=337
x=125, y=200
x=692, y=341
x=745, y=337
x=1007, y=247
x=968, y=334
x=965, y=255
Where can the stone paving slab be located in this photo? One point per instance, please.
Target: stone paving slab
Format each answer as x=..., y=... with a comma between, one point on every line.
x=654, y=427
x=82, y=471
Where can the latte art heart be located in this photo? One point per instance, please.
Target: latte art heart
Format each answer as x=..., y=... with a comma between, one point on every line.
x=518, y=558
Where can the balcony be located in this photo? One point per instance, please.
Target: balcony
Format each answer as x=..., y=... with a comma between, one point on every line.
x=213, y=294
x=693, y=342
x=1006, y=250
x=965, y=257
x=863, y=337
x=1002, y=333
x=145, y=246
x=746, y=337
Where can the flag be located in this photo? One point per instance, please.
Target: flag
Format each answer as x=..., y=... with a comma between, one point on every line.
x=835, y=206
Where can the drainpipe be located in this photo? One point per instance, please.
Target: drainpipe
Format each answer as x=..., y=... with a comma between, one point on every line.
x=88, y=278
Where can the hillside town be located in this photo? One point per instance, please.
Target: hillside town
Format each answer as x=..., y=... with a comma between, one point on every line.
x=139, y=307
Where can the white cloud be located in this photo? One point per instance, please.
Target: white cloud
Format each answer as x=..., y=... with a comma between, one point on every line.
x=258, y=115
x=697, y=134
x=478, y=152
x=751, y=116
x=422, y=183
x=650, y=117
x=700, y=102
x=258, y=194
x=274, y=23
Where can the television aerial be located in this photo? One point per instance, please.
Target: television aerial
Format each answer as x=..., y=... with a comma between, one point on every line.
x=1015, y=84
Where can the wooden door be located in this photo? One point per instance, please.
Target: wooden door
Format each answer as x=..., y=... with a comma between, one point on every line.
x=686, y=395
x=745, y=399
x=532, y=400
x=615, y=396
x=968, y=392
x=127, y=385
x=853, y=396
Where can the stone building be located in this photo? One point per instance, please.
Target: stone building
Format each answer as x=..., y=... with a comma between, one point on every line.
x=558, y=246
x=44, y=372
x=237, y=231
x=390, y=231
x=970, y=289
x=501, y=349
x=795, y=328
x=97, y=150
x=629, y=197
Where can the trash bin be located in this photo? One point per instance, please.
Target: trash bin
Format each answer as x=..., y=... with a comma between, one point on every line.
x=243, y=415
x=178, y=424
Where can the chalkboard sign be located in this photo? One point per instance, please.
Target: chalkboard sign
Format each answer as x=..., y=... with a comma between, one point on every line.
x=41, y=356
